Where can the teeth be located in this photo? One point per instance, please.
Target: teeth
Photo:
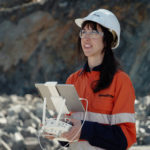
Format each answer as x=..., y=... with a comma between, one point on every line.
x=87, y=45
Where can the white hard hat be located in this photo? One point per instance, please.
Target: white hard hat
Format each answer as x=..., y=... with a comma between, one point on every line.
x=105, y=18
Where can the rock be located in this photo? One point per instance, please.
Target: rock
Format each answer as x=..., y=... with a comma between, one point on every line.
x=14, y=110
x=27, y=133
x=1, y=115
x=29, y=122
x=142, y=130
x=147, y=124
x=32, y=143
x=24, y=115
x=29, y=97
x=18, y=137
x=5, y=102
x=14, y=98
x=10, y=129
x=32, y=130
x=140, y=148
x=35, y=120
x=10, y=3
x=3, y=121
x=7, y=139
x=39, y=111
x=63, y=4
x=143, y=121
x=19, y=146
x=4, y=145
x=13, y=120
x=146, y=140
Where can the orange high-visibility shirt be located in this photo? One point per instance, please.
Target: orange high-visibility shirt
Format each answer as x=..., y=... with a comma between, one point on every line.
x=113, y=105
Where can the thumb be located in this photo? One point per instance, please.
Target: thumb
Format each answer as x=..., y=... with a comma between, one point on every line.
x=75, y=121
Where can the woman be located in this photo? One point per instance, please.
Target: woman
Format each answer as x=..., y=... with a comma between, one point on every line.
x=110, y=122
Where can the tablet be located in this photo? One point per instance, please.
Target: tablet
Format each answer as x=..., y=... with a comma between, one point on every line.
x=66, y=91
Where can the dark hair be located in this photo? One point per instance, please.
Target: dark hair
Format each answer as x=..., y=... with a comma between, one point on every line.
x=110, y=64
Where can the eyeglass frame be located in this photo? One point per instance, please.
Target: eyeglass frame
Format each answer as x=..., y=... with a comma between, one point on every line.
x=90, y=33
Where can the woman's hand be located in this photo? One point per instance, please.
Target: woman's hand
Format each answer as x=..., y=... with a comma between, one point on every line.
x=73, y=134
x=49, y=136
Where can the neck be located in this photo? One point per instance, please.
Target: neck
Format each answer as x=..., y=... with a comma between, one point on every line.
x=95, y=61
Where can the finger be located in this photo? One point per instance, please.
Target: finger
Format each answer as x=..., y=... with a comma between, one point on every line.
x=72, y=135
x=49, y=137
x=46, y=133
x=69, y=132
x=76, y=122
x=75, y=133
x=72, y=130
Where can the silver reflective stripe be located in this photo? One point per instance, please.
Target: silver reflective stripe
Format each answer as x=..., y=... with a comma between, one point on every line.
x=83, y=145
x=105, y=118
x=122, y=118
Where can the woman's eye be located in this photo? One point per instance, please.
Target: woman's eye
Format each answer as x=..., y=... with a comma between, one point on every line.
x=83, y=31
x=94, y=31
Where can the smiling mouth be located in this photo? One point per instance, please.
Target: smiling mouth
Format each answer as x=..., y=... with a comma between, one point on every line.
x=87, y=46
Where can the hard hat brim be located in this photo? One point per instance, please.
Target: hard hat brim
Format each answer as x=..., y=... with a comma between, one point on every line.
x=79, y=21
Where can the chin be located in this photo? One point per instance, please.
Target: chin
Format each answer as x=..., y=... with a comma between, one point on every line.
x=87, y=55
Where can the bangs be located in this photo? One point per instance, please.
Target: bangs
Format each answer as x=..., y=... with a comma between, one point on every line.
x=90, y=24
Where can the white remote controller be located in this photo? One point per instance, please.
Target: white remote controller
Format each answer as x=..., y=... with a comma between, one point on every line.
x=56, y=128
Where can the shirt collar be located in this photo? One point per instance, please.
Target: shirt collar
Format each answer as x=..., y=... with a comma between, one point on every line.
x=86, y=68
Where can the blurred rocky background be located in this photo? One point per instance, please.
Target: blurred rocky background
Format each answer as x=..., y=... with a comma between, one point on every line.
x=20, y=117
x=38, y=44
x=38, y=41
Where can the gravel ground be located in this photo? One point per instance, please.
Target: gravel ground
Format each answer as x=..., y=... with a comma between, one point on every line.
x=20, y=118
x=140, y=148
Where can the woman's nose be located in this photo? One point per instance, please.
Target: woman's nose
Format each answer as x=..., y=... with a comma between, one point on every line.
x=87, y=37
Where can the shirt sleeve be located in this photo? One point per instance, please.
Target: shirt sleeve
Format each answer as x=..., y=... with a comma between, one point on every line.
x=123, y=113
x=69, y=80
x=109, y=137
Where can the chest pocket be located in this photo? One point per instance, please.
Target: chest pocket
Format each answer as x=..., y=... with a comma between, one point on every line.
x=103, y=103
